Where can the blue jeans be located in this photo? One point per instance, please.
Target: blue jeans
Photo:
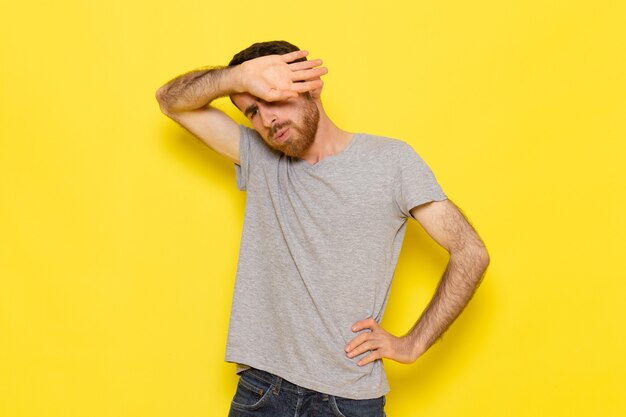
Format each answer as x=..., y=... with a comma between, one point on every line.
x=262, y=394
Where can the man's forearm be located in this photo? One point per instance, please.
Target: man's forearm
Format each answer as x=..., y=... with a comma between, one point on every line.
x=270, y=78
x=462, y=277
x=196, y=89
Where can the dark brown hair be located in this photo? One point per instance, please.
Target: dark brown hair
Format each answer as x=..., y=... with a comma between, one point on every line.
x=262, y=49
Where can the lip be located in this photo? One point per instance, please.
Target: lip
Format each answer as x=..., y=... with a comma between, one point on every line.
x=281, y=135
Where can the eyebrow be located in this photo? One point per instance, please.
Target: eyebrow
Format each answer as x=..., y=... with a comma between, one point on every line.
x=250, y=109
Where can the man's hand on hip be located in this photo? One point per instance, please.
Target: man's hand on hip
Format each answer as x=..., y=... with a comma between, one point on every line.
x=380, y=343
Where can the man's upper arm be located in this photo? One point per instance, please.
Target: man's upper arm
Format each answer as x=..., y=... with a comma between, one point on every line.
x=213, y=127
x=445, y=223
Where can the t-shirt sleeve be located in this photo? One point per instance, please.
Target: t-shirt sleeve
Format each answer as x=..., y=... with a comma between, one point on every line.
x=242, y=169
x=254, y=157
x=415, y=182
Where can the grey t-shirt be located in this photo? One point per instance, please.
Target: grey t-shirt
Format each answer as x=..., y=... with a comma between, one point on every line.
x=318, y=251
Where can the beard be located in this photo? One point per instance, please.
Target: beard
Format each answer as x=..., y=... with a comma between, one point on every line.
x=301, y=136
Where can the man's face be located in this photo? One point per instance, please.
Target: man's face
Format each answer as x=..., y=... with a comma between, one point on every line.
x=288, y=126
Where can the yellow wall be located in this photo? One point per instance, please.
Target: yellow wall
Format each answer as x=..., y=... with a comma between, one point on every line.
x=120, y=231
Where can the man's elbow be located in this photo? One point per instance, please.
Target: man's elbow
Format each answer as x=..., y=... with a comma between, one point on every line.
x=162, y=99
x=483, y=260
x=473, y=252
x=482, y=256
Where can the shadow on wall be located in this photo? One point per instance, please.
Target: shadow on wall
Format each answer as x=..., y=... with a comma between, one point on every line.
x=194, y=157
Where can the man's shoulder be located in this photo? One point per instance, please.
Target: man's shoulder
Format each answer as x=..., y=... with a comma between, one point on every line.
x=380, y=153
x=252, y=139
x=383, y=143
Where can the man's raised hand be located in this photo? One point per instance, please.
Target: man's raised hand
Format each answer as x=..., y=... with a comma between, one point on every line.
x=277, y=77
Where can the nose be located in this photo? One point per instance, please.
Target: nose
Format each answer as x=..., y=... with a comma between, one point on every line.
x=268, y=116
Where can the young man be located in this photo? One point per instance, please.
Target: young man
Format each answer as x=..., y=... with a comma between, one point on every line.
x=325, y=217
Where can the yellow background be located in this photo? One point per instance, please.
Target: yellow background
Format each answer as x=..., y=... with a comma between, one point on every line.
x=120, y=231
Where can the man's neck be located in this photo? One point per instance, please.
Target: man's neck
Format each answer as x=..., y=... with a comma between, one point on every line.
x=329, y=140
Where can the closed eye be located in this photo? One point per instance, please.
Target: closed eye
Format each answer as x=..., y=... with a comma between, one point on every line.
x=251, y=110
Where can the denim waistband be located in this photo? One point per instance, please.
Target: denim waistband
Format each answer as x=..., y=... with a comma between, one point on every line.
x=278, y=382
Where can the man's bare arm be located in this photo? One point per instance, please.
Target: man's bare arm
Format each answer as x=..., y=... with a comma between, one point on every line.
x=469, y=259
x=468, y=262
x=186, y=99
x=196, y=89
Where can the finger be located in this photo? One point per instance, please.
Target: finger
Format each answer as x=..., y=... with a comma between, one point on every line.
x=369, y=358
x=301, y=65
x=306, y=86
x=368, y=323
x=360, y=339
x=292, y=56
x=309, y=74
x=318, y=91
x=362, y=348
